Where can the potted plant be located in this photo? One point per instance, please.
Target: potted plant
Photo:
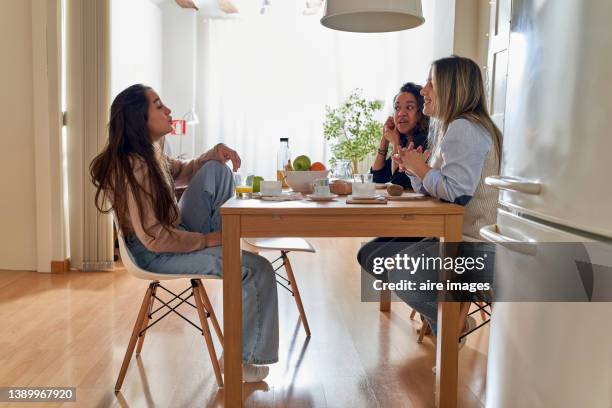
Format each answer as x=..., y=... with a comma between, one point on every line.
x=352, y=128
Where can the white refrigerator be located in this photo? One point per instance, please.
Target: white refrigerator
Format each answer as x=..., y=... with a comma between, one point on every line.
x=555, y=186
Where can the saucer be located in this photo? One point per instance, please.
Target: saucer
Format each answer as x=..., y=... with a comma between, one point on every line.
x=329, y=197
x=285, y=196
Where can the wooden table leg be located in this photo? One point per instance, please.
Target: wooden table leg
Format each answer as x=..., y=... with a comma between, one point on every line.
x=447, y=346
x=447, y=354
x=232, y=311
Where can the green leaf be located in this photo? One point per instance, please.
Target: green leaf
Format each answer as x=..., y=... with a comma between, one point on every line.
x=351, y=128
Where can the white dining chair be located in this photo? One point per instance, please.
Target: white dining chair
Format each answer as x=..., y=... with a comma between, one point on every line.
x=147, y=311
x=284, y=245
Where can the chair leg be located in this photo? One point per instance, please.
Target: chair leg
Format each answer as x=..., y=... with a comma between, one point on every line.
x=483, y=315
x=145, y=322
x=296, y=292
x=423, y=331
x=211, y=312
x=385, y=301
x=134, y=337
x=463, y=312
x=197, y=294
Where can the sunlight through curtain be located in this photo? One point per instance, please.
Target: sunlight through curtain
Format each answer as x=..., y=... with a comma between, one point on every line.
x=270, y=76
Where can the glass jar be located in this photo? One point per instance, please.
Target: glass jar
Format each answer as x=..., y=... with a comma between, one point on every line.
x=342, y=170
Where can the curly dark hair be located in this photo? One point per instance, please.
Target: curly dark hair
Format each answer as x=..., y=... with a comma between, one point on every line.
x=414, y=89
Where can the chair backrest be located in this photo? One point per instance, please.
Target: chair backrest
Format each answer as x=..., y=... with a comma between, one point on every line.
x=126, y=257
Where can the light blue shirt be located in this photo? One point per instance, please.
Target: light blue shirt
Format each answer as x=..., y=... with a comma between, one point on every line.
x=456, y=164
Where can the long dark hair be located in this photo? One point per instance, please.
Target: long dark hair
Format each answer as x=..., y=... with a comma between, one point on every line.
x=129, y=145
x=422, y=126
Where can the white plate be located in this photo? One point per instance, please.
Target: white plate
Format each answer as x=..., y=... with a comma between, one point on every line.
x=322, y=198
x=283, y=194
x=283, y=197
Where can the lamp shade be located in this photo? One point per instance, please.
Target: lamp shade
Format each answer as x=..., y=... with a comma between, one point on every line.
x=372, y=16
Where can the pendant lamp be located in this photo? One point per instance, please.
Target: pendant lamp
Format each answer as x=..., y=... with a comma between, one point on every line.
x=372, y=16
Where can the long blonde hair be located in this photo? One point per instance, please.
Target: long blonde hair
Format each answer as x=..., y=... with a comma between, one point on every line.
x=459, y=88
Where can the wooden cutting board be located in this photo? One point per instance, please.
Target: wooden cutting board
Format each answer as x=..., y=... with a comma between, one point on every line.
x=405, y=197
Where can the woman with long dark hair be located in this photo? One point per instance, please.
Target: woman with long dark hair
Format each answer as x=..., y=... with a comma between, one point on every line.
x=407, y=125
x=136, y=180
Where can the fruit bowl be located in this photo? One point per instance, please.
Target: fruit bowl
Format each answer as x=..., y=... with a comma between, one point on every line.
x=302, y=180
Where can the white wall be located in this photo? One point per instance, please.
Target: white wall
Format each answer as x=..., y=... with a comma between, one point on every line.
x=444, y=27
x=136, y=44
x=178, y=74
x=414, y=60
x=471, y=28
x=17, y=179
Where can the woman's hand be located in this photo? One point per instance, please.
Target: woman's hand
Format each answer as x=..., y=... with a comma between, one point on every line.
x=390, y=132
x=223, y=154
x=213, y=239
x=413, y=160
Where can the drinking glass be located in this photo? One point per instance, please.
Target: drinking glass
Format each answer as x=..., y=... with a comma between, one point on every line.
x=362, y=178
x=244, y=186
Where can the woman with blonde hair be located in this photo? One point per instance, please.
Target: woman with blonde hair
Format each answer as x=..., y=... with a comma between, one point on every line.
x=465, y=143
x=465, y=148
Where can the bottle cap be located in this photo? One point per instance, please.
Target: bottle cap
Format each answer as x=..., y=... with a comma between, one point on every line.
x=284, y=139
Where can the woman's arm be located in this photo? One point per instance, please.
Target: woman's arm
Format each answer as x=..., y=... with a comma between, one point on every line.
x=381, y=155
x=383, y=174
x=183, y=171
x=390, y=136
x=150, y=231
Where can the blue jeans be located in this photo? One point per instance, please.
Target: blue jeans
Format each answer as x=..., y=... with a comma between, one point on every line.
x=200, y=212
x=421, y=301
x=388, y=247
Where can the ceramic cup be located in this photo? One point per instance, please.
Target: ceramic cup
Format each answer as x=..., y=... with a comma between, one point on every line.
x=321, y=187
x=270, y=188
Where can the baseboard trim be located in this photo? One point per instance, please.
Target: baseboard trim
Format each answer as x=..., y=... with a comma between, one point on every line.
x=97, y=266
x=60, y=266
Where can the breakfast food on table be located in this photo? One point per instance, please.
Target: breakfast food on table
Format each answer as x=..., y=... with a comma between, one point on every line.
x=341, y=187
x=395, y=190
x=301, y=163
x=317, y=166
x=256, y=183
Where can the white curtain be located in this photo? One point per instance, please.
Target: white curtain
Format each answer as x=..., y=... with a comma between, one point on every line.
x=270, y=76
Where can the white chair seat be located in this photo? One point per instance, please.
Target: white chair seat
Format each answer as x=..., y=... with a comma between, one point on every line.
x=279, y=244
x=140, y=273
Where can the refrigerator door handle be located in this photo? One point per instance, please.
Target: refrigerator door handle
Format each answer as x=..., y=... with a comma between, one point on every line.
x=491, y=234
x=514, y=184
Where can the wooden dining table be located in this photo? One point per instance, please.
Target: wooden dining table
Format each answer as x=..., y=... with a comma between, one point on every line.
x=244, y=218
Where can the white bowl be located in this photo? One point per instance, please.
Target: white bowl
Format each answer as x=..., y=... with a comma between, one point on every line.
x=302, y=180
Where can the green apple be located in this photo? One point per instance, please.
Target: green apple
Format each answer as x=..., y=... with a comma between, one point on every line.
x=301, y=163
x=256, y=183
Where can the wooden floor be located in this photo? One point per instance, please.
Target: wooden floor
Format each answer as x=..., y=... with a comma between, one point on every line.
x=72, y=330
